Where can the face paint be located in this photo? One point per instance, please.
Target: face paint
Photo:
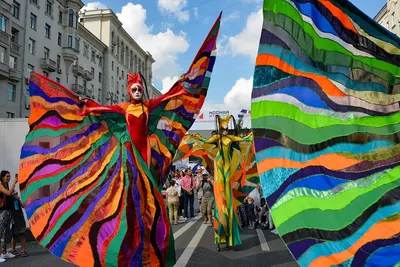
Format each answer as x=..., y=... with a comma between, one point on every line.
x=136, y=91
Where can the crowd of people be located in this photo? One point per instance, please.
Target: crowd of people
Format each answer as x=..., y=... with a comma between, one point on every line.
x=183, y=188
x=12, y=221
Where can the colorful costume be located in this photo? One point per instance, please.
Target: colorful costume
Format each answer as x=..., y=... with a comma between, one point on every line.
x=91, y=176
x=325, y=116
x=231, y=160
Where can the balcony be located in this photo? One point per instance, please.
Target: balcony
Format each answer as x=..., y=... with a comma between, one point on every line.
x=87, y=75
x=15, y=48
x=69, y=54
x=15, y=75
x=77, y=88
x=4, y=71
x=6, y=5
x=5, y=38
x=48, y=65
x=77, y=70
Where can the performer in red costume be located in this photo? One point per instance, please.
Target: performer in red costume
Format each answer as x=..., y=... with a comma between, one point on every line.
x=93, y=196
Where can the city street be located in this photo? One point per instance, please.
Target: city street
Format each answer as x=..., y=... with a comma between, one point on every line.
x=195, y=248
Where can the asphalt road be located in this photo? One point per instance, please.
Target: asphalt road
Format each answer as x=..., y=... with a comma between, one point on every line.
x=194, y=248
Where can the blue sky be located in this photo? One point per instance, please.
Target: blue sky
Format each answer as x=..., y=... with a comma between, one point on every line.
x=173, y=30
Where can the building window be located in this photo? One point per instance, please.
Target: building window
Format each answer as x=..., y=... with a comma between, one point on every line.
x=100, y=77
x=58, y=62
x=93, y=55
x=60, y=17
x=393, y=20
x=58, y=80
x=3, y=23
x=84, y=84
x=117, y=71
x=70, y=41
x=45, y=74
x=117, y=85
x=100, y=61
x=34, y=1
x=33, y=21
x=47, y=29
x=15, y=10
x=11, y=92
x=112, y=65
x=10, y=115
x=71, y=18
x=48, y=8
x=46, y=52
x=76, y=21
x=76, y=44
x=13, y=62
x=31, y=46
x=112, y=81
x=92, y=70
x=122, y=74
x=59, y=38
x=85, y=50
x=99, y=94
x=14, y=35
x=2, y=54
x=31, y=69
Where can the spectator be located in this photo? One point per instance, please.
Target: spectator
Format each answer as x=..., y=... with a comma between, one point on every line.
x=6, y=203
x=199, y=178
x=250, y=214
x=18, y=227
x=173, y=202
x=207, y=187
x=188, y=184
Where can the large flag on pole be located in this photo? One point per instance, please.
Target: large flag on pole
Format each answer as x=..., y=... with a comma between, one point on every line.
x=326, y=120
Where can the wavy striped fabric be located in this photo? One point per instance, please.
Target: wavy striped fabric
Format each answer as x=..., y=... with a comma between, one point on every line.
x=92, y=198
x=325, y=115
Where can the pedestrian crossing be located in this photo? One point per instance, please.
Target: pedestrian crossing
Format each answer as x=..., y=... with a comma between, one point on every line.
x=194, y=246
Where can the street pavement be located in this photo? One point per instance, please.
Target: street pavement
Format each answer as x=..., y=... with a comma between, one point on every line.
x=194, y=247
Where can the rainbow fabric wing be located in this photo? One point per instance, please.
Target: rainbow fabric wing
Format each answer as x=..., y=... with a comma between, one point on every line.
x=172, y=118
x=325, y=115
x=194, y=145
x=83, y=183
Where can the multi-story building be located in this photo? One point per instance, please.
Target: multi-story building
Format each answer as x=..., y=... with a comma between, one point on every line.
x=123, y=55
x=46, y=36
x=12, y=24
x=389, y=16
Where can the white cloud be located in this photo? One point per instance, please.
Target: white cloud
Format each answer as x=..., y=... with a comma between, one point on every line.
x=167, y=83
x=246, y=42
x=175, y=8
x=94, y=6
x=240, y=94
x=232, y=16
x=195, y=12
x=164, y=46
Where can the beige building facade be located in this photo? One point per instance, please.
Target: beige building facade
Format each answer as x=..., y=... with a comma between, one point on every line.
x=389, y=16
x=46, y=36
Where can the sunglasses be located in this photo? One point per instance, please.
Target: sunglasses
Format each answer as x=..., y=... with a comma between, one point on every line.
x=140, y=90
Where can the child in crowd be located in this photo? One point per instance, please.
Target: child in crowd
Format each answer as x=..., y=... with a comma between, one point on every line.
x=250, y=214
